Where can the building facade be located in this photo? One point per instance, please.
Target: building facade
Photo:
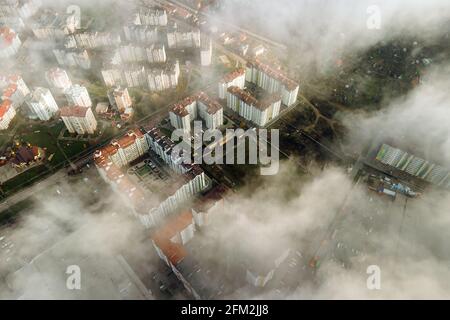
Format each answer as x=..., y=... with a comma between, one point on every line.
x=78, y=119
x=235, y=78
x=151, y=17
x=58, y=78
x=7, y=113
x=205, y=51
x=77, y=95
x=257, y=111
x=41, y=104
x=201, y=106
x=9, y=43
x=272, y=80
x=120, y=99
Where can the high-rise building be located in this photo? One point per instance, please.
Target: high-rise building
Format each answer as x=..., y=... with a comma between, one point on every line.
x=9, y=43
x=73, y=57
x=15, y=23
x=235, y=78
x=58, y=78
x=205, y=51
x=163, y=78
x=155, y=53
x=7, y=113
x=15, y=90
x=259, y=112
x=272, y=80
x=52, y=25
x=41, y=104
x=178, y=37
x=78, y=96
x=92, y=40
x=120, y=99
x=112, y=77
x=79, y=119
x=181, y=114
x=23, y=9
x=135, y=76
x=152, y=17
x=141, y=33
x=125, y=149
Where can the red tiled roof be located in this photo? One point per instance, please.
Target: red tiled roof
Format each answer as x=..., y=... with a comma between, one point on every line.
x=9, y=91
x=274, y=73
x=4, y=107
x=7, y=34
x=233, y=75
x=175, y=252
x=73, y=111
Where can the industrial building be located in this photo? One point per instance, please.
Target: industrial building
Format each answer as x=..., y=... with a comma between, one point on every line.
x=414, y=166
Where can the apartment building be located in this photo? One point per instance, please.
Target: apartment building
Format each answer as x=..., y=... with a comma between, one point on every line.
x=235, y=78
x=178, y=37
x=119, y=98
x=272, y=80
x=77, y=95
x=52, y=25
x=19, y=8
x=14, y=89
x=125, y=149
x=73, y=57
x=9, y=43
x=151, y=16
x=201, y=106
x=78, y=119
x=58, y=79
x=155, y=53
x=247, y=106
x=7, y=113
x=141, y=33
x=163, y=78
x=205, y=51
x=41, y=104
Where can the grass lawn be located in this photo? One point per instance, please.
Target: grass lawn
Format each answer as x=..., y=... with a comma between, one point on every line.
x=13, y=211
x=24, y=179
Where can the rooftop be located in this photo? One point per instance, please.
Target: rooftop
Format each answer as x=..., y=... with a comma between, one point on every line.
x=74, y=111
x=233, y=75
x=274, y=73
